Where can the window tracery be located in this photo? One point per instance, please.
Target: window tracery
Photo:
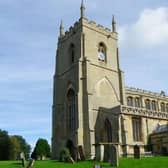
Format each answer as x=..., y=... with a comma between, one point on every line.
x=71, y=111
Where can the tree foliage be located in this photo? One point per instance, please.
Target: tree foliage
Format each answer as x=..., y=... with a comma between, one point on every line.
x=41, y=150
x=24, y=146
x=12, y=146
x=64, y=155
x=4, y=145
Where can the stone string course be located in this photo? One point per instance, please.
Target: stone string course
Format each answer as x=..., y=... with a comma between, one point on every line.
x=143, y=112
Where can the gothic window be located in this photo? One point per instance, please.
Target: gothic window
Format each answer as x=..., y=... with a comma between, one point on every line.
x=108, y=130
x=129, y=101
x=147, y=104
x=71, y=111
x=167, y=107
x=163, y=109
x=136, y=125
x=154, y=105
x=101, y=52
x=137, y=102
x=72, y=53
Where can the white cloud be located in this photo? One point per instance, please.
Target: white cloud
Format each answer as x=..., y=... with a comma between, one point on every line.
x=151, y=29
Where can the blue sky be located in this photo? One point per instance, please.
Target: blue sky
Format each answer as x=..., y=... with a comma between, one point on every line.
x=28, y=39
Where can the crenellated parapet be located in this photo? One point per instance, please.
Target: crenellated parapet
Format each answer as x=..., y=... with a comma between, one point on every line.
x=84, y=22
x=145, y=92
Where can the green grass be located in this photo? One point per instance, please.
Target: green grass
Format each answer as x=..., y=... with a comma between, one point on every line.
x=153, y=162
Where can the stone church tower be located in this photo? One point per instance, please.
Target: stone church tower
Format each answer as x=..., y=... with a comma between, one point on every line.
x=92, y=109
x=87, y=79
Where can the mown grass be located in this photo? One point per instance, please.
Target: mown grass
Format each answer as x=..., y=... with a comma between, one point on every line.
x=152, y=162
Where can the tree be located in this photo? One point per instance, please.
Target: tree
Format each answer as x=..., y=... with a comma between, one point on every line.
x=41, y=150
x=4, y=145
x=24, y=146
x=15, y=148
x=11, y=146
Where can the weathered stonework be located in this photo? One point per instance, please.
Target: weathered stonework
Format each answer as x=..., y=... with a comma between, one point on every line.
x=90, y=100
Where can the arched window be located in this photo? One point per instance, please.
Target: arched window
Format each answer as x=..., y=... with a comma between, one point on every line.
x=71, y=111
x=101, y=52
x=108, y=130
x=137, y=102
x=163, y=107
x=147, y=104
x=136, y=128
x=153, y=105
x=129, y=101
x=167, y=107
x=72, y=53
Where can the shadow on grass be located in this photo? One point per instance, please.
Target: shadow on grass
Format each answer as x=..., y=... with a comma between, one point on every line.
x=16, y=163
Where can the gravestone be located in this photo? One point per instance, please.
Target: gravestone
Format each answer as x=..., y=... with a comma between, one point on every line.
x=97, y=166
x=31, y=163
x=81, y=152
x=136, y=152
x=114, y=156
x=70, y=160
x=22, y=158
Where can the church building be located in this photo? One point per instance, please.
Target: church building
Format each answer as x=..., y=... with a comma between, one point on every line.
x=91, y=104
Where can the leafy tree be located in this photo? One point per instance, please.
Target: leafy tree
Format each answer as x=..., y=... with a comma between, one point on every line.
x=15, y=148
x=24, y=146
x=4, y=145
x=11, y=146
x=41, y=150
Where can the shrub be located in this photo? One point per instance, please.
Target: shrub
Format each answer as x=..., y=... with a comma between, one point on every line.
x=64, y=155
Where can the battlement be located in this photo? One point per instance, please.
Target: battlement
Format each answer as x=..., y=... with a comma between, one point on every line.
x=141, y=91
x=90, y=24
x=98, y=27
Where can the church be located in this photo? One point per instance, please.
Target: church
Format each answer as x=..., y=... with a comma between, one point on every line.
x=92, y=107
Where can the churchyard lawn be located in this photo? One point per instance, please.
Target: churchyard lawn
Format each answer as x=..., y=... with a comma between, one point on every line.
x=150, y=162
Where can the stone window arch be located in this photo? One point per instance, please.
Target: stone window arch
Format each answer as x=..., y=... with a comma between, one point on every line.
x=163, y=108
x=148, y=104
x=153, y=105
x=72, y=53
x=129, y=101
x=137, y=102
x=108, y=130
x=71, y=111
x=101, y=52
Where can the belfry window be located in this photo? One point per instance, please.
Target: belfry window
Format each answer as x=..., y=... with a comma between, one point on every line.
x=101, y=52
x=71, y=111
x=72, y=53
x=136, y=128
x=129, y=101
